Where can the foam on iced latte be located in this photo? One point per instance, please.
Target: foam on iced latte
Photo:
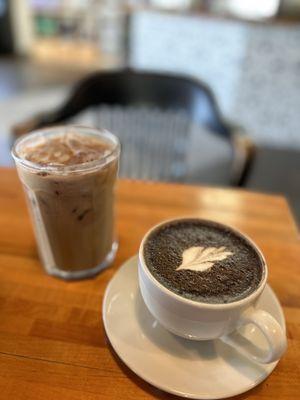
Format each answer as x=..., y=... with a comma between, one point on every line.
x=69, y=178
x=68, y=148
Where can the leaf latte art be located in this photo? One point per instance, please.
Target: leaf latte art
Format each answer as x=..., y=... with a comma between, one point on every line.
x=201, y=258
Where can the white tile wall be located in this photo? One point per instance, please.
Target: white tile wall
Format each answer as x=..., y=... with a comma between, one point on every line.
x=254, y=69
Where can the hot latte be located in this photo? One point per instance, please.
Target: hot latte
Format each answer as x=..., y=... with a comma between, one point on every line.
x=203, y=261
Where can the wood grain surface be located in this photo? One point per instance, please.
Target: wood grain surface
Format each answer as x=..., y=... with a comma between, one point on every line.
x=52, y=340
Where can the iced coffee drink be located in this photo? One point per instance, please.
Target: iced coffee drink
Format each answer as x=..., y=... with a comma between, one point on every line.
x=69, y=175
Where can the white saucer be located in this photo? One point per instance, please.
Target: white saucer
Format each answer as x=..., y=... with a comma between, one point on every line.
x=199, y=370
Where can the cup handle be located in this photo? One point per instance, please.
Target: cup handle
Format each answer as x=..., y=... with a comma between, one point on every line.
x=271, y=330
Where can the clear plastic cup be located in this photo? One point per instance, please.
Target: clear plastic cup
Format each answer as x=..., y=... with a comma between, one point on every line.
x=72, y=206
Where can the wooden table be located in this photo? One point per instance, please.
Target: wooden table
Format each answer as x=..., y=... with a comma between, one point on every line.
x=52, y=341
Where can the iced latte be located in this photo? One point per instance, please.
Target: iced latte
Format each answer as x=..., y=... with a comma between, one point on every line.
x=69, y=175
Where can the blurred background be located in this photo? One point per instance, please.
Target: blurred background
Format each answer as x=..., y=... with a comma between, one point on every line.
x=246, y=51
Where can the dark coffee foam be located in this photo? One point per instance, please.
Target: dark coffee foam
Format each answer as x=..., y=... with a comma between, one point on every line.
x=228, y=280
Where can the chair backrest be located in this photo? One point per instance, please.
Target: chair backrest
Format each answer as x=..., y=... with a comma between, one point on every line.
x=153, y=115
x=154, y=142
x=152, y=90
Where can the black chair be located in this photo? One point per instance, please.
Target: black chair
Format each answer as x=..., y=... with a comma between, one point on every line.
x=153, y=115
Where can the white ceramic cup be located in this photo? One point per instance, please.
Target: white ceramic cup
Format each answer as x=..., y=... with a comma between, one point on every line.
x=203, y=321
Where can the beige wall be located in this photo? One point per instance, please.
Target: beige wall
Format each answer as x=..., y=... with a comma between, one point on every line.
x=22, y=25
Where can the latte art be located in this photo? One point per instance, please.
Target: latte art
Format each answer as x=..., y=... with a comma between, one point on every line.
x=201, y=258
x=203, y=261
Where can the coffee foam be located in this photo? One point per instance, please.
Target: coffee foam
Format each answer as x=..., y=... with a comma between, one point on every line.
x=203, y=261
x=64, y=149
